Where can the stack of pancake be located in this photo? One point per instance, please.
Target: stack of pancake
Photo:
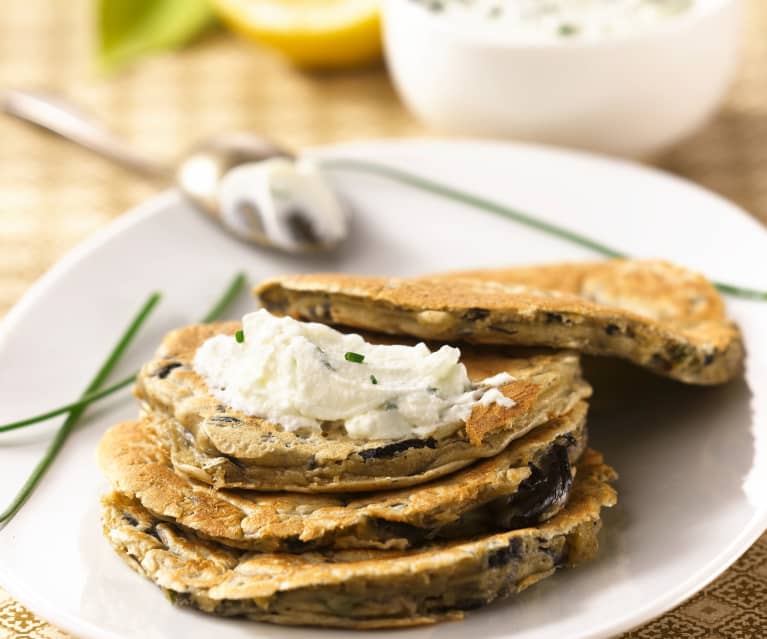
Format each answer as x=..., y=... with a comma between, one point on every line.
x=234, y=515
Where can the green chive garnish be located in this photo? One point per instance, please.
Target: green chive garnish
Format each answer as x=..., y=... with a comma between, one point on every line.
x=66, y=428
x=227, y=297
x=373, y=379
x=567, y=29
x=354, y=357
x=67, y=408
x=93, y=393
x=520, y=217
x=240, y=337
x=234, y=288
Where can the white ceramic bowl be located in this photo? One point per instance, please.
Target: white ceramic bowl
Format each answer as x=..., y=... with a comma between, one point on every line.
x=628, y=95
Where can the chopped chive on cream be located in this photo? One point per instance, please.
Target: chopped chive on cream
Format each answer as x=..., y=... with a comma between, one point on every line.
x=239, y=336
x=373, y=379
x=354, y=357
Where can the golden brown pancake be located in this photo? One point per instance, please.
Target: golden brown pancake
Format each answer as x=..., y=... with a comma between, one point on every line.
x=215, y=444
x=658, y=315
x=523, y=485
x=359, y=588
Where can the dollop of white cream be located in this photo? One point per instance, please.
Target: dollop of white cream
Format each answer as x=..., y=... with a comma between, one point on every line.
x=298, y=374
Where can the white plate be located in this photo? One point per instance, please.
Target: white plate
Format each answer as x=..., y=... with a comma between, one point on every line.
x=693, y=487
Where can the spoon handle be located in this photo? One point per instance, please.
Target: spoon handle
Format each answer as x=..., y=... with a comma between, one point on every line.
x=57, y=116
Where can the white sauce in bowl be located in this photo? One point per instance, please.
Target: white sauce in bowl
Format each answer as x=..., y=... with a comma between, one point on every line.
x=566, y=20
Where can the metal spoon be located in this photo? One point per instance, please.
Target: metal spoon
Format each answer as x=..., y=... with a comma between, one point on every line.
x=289, y=226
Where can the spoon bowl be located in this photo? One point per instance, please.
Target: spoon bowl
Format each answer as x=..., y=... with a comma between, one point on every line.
x=203, y=166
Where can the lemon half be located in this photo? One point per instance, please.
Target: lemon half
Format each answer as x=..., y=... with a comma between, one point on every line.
x=324, y=34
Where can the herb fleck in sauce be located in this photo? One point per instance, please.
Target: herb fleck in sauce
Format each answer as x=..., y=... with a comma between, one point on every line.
x=558, y=19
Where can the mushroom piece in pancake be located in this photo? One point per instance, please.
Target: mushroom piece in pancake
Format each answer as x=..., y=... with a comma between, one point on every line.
x=359, y=588
x=523, y=485
x=216, y=444
x=663, y=317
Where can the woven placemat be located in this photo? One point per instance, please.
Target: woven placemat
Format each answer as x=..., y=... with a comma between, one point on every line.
x=52, y=195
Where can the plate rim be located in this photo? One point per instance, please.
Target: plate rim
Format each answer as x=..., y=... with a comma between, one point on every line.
x=155, y=204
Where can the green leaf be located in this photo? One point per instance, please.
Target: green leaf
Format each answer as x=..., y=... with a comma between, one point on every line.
x=130, y=29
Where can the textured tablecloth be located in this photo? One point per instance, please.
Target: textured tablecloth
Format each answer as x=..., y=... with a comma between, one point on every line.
x=52, y=196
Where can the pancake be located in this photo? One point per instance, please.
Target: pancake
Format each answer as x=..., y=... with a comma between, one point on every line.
x=217, y=445
x=359, y=588
x=522, y=486
x=658, y=315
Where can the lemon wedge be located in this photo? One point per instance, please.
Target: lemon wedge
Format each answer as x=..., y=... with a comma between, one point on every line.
x=320, y=34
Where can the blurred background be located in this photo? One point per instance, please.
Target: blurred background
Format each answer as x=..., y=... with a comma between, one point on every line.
x=163, y=73
x=163, y=82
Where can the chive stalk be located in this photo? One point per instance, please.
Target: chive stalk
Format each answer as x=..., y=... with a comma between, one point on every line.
x=83, y=401
x=66, y=428
x=354, y=357
x=92, y=392
x=239, y=337
x=477, y=201
x=232, y=290
x=227, y=297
